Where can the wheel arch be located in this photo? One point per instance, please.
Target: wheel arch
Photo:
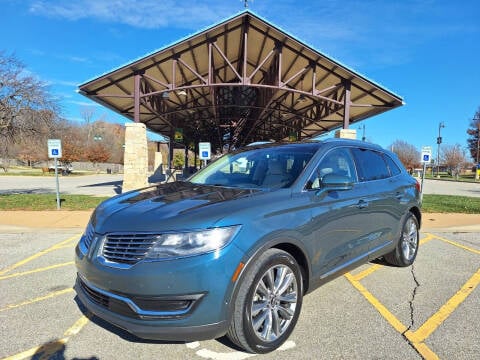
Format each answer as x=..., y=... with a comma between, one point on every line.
x=418, y=214
x=301, y=259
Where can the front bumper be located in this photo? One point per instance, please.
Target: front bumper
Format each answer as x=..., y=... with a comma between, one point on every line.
x=179, y=300
x=109, y=308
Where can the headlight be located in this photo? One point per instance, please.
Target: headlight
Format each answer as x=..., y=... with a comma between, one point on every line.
x=191, y=243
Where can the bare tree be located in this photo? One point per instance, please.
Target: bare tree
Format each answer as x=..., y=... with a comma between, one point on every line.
x=407, y=153
x=454, y=158
x=26, y=107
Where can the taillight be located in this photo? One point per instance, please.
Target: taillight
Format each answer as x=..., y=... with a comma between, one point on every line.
x=417, y=185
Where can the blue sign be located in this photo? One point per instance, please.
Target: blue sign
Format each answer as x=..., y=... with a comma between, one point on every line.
x=54, y=152
x=204, y=154
x=426, y=158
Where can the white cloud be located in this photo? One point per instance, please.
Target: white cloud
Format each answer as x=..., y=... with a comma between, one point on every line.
x=142, y=14
x=84, y=103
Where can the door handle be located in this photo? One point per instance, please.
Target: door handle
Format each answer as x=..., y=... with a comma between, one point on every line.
x=399, y=195
x=362, y=204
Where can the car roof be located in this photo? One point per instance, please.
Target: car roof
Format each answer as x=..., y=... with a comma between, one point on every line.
x=331, y=142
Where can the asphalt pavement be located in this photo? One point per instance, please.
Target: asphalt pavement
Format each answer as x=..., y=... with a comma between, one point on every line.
x=109, y=185
x=428, y=310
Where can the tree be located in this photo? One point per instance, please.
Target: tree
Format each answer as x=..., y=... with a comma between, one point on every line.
x=97, y=153
x=407, y=153
x=26, y=107
x=474, y=136
x=454, y=158
x=72, y=139
x=178, y=159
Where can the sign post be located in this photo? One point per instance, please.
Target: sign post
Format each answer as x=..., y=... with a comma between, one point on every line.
x=205, y=152
x=425, y=159
x=55, y=152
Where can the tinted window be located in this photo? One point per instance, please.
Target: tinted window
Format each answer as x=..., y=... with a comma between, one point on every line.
x=267, y=167
x=337, y=162
x=392, y=166
x=370, y=165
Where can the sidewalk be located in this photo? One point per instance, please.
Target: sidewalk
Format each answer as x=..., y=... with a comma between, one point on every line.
x=63, y=219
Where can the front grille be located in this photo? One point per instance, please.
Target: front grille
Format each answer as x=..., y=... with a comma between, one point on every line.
x=140, y=307
x=89, y=235
x=127, y=248
x=106, y=301
x=95, y=296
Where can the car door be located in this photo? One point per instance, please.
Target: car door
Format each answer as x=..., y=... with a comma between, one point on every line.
x=380, y=194
x=338, y=221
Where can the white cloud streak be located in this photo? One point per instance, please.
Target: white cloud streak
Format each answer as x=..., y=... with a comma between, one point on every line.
x=142, y=14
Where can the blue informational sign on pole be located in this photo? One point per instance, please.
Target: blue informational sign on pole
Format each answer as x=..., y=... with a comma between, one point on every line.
x=425, y=159
x=55, y=152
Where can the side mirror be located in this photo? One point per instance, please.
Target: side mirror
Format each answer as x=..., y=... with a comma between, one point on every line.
x=336, y=182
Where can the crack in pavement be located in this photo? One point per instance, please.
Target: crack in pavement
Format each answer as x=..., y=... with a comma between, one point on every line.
x=412, y=309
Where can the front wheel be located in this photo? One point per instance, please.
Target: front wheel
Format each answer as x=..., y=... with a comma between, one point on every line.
x=406, y=250
x=268, y=303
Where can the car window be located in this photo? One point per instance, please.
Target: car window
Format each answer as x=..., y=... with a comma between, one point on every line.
x=336, y=162
x=370, y=165
x=392, y=166
x=269, y=167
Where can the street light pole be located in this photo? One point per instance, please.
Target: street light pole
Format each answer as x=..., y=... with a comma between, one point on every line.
x=439, y=141
x=363, y=128
x=478, y=150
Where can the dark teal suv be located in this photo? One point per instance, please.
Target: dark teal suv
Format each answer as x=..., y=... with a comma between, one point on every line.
x=234, y=249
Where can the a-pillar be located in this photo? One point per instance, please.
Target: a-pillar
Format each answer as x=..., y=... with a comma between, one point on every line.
x=135, y=169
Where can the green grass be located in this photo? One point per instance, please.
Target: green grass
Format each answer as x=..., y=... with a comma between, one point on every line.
x=450, y=204
x=38, y=202
x=431, y=203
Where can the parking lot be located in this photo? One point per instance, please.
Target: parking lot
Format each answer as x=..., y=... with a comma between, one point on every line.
x=426, y=311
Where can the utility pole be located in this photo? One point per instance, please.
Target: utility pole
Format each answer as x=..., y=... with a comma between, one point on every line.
x=439, y=141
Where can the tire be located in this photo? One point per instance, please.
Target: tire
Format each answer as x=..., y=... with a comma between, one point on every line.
x=268, y=303
x=406, y=250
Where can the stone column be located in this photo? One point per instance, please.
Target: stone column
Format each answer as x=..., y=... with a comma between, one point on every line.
x=158, y=161
x=135, y=170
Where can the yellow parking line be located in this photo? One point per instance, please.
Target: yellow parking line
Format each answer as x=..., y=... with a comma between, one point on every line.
x=366, y=272
x=475, y=251
x=397, y=325
x=37, y=255
x=46, y=350
x=36, y=270
x=40, y=298
x=373, y=268
x=427, y=238
x=446, y=310
x=421, y=347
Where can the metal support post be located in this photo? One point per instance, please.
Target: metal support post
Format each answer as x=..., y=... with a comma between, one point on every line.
x=57, y=184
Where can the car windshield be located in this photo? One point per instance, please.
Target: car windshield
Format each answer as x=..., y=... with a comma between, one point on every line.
x=262, y=167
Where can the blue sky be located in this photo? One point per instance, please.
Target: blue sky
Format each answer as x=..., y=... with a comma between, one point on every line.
x=426, y=51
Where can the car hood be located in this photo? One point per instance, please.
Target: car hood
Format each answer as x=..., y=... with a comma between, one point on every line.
x=166, y=207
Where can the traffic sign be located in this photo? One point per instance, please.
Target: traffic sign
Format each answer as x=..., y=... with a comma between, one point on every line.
x=426, y=154
x=54, y=148
x=204, y=151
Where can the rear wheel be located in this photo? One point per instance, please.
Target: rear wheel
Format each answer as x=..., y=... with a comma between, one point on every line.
x=406, y=250
x=268, y=303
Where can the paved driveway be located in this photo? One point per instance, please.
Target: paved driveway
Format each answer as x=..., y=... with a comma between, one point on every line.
x=109, y=185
